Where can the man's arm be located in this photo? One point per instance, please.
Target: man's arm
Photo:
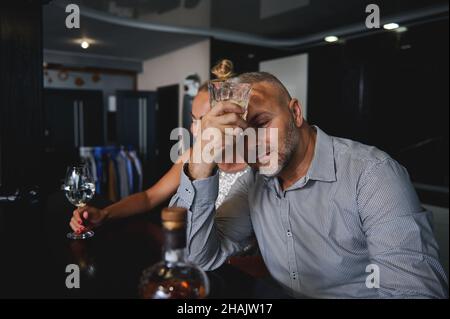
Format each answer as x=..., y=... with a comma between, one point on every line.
x=214, y=236
x=399, y=234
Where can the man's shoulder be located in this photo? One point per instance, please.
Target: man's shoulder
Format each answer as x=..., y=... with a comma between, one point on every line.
x=357, y=152
x=364, y=162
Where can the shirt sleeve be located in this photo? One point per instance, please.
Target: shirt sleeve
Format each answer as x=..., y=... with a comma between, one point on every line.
x=399, y=234
x=213, y=236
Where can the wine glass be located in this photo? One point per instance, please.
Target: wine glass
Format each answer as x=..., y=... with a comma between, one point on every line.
x=79, y=187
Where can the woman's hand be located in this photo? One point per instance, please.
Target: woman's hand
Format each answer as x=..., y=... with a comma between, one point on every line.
x=86, y=217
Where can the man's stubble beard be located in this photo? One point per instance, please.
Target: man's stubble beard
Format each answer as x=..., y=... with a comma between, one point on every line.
x=286, y=154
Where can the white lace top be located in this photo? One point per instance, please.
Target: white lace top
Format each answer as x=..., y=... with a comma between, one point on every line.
x=226, y=180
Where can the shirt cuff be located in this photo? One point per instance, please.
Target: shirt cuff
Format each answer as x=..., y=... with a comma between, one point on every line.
x=202, y=190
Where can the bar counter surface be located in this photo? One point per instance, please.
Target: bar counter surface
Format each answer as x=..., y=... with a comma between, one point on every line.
x=36, y=256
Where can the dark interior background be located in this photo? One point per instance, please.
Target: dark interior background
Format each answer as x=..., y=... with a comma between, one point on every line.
x=387, y=89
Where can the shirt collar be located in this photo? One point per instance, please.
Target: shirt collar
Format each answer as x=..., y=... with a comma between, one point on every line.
x=322, y=166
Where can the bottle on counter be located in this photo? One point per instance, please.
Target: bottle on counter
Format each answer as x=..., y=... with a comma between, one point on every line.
x=174, y=277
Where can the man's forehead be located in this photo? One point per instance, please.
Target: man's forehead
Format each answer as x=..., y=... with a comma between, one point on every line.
x=263, y=88
x=262, y=100
x=263, y=95
x=261, y=92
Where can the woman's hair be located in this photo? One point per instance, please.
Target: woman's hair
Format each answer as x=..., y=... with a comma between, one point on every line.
x=223, y=70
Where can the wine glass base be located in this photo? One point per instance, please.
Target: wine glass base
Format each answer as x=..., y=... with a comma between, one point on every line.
x=85, y=235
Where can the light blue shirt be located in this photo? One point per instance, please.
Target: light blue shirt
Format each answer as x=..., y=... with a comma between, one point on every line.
x=356, y=207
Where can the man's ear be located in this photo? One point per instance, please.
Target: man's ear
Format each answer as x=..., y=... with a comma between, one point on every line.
x=296, y=111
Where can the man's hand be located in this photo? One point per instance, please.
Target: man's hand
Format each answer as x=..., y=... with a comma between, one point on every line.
x=86, y=217
x=223, y=115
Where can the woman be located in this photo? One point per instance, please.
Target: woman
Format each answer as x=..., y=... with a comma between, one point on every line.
x=168, y=184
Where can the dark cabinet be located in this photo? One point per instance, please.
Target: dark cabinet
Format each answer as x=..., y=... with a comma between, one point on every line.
x=136, y=128
x=21, y=135
x=73, y=118
x=136, y=122
x=144, y=121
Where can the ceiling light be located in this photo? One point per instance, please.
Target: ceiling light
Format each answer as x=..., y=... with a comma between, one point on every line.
x=331, y=39
x=85, y=44
x=391, y=26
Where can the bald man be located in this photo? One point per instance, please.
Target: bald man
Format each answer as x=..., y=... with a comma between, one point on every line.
x=333, y=219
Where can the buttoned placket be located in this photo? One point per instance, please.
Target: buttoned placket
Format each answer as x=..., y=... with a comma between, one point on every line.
x=286, y=218
x=291, y=257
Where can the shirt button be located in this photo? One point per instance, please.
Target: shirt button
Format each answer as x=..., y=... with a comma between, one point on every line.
x=289, y=234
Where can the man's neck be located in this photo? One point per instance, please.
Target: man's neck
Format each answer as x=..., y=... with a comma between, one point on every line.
x=301, y=160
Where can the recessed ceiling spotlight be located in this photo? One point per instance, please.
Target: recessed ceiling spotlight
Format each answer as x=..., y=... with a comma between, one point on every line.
x=331, y=39
x=391, y=26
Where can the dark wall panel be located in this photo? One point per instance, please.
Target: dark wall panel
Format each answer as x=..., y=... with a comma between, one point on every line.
x=20, y=92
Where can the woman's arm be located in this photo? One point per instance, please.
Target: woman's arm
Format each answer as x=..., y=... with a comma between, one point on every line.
x=134, y=204
x=147, y=200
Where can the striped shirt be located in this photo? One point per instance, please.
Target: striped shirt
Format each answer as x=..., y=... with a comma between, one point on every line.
x=352, y=227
